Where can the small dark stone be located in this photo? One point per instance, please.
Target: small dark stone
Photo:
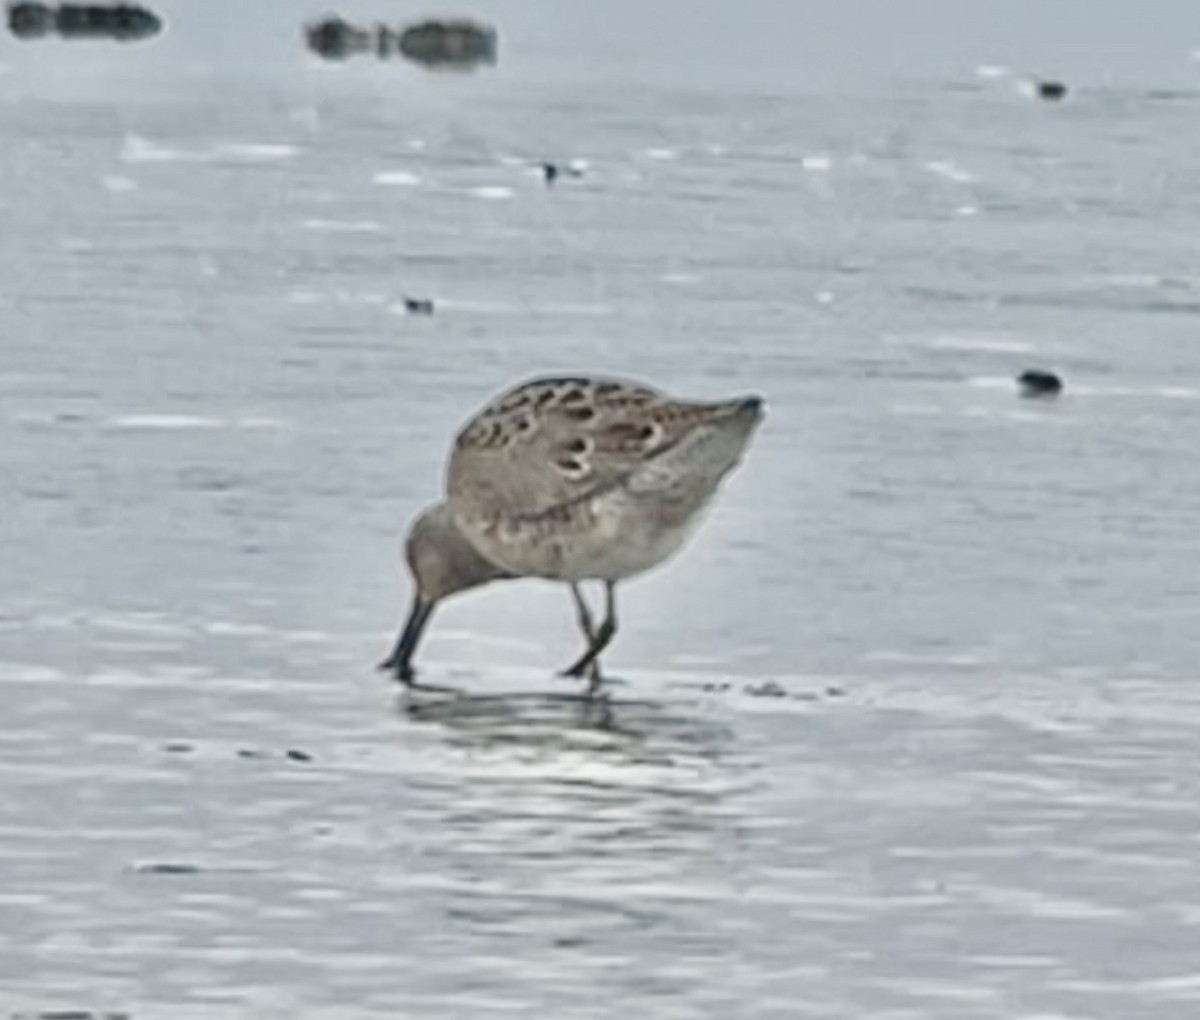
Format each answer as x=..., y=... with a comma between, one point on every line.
x=247, y=752
x=178, y=748
x=298, y=755
x=835, y=692
x=1052, y=90
x=766, y=689
x=418, y=306
x=1037, y=383
x=167, y=868
x=552, y=171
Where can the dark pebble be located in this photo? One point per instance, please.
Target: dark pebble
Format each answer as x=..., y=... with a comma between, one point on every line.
x=767, y=689
x=418, y=306
x=1036, y=382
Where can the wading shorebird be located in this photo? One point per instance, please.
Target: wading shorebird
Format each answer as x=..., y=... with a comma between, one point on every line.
x=570, y=479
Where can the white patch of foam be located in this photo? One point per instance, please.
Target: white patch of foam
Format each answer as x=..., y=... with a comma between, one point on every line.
x=117, y=184
x=344, y=226
x=824, y=297
x=484, y=307
x=950, y=170
x=138, y=149
x=956, y=342
x=819, y=163
x=191, y=421
x=166, y=421
x=967, y=210
x=231, y=628
x=969, y=343
x=990, y=382
x=396, y=178
x=662, y=153
x=492, y=192
x=990, y=71
x=254, y=152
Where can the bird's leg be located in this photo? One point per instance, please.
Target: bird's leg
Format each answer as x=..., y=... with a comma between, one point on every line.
x=586, y=624
x=602, y=637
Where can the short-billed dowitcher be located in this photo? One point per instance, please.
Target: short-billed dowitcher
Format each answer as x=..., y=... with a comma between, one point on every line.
x=570, y=479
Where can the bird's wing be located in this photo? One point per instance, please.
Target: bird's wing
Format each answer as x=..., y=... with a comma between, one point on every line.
x=553, y=442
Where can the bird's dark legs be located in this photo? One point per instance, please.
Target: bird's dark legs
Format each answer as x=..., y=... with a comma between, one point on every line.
x=587, y=625
x=598, y=640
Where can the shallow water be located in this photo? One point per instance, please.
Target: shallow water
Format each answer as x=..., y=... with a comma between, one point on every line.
x=909, y=732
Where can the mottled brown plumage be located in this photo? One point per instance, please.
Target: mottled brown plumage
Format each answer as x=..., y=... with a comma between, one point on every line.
x=571, y=479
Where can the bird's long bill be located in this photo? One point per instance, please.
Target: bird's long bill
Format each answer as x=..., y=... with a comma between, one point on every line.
x=400, y=661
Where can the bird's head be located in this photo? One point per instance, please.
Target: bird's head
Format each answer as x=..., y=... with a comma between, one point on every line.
x=442, y=563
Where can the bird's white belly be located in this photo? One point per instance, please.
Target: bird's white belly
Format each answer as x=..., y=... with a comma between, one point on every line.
x=609, y=541
x=634, y=551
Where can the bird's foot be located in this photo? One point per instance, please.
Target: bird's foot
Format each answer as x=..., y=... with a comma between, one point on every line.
x=401, y=672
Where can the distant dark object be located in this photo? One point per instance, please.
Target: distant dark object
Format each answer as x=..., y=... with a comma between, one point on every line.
x=1035, y=383
x=336, y=39
x=458, y=44
x=453, y=43
x=123, y=22
x=1052, y=90
x=552, y=171
x=29, y=21
x=418, y=306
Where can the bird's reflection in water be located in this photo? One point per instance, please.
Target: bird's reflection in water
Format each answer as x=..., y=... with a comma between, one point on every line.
x=628, y=727
x=576, y=824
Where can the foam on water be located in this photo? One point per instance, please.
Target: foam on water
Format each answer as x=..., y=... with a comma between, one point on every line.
x=492, y=192
x=343, y=226
x=396, y=178
x=950, y=170
x=172, y=422
x=138, y=149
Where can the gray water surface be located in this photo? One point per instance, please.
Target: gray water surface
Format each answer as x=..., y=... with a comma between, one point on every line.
x=908, y=733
